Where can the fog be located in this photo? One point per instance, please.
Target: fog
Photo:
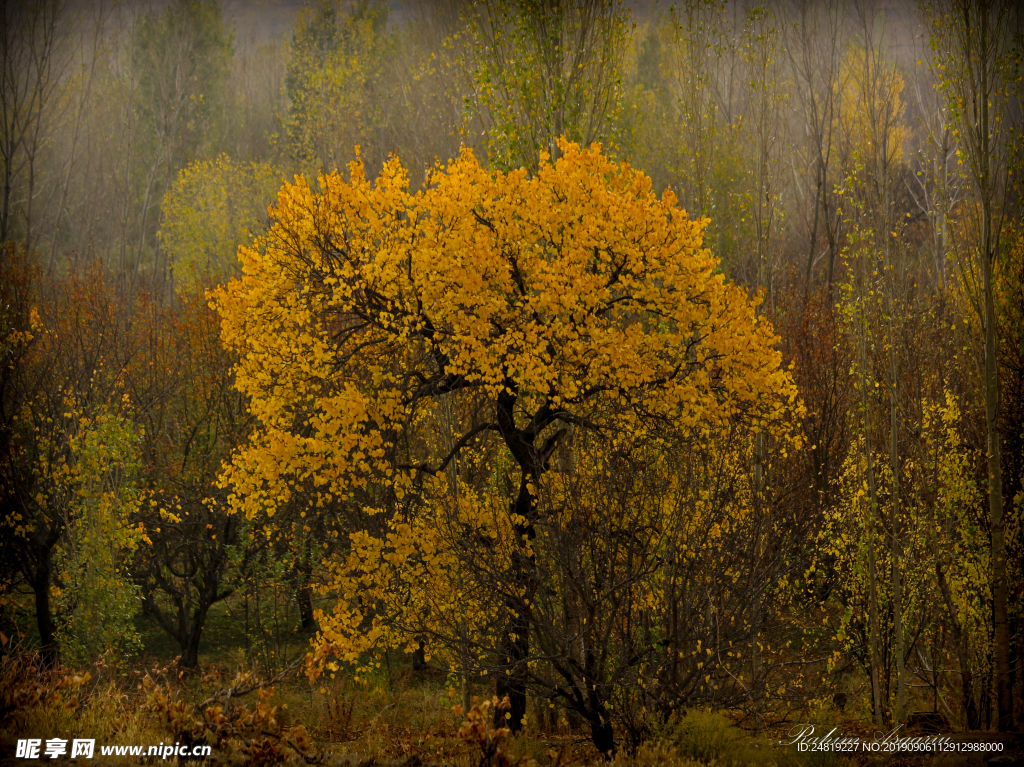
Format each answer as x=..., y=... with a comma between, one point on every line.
x=107, y=105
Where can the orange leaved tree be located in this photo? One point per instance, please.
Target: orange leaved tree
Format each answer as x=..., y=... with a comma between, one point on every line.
x=383, y=337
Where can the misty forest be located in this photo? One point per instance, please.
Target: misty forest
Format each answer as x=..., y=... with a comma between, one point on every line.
x=510, y=382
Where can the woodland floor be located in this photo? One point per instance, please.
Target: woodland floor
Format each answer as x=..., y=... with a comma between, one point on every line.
x=398, y=718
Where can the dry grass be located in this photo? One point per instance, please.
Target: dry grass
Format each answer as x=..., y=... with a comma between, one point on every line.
x=36, y=702
x=395, y=719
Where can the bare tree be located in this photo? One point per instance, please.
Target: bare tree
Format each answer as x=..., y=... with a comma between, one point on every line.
x=89, y=49
x=934, y=184
x=32, y=62
x=815, y=47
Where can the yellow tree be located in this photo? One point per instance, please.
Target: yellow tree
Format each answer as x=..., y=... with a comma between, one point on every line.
x=213, y=207
x=536, y=71
x=333, y=81
x=515, y=307
x=950, y=517
x=873, y=137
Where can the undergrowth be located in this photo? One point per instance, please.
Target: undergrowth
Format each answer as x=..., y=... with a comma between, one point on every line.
x=43, y=702
x=399, y=719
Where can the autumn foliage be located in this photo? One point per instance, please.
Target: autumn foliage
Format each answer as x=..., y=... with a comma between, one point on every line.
x=644, y=371
x=575, y=295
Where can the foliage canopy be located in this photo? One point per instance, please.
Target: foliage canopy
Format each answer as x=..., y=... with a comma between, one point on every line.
x=570, y=297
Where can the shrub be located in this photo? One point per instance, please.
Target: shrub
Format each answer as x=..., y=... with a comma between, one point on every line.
x=707, y=736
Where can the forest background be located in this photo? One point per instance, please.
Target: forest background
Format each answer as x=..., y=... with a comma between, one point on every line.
x=848, y=541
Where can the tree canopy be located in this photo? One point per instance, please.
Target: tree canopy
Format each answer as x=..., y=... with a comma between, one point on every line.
x=573, y=296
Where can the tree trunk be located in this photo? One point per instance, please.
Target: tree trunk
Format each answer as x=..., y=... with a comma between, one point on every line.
x=522, y=576
x=304, y=593
x=49, y=650
x=190, y=647
x=419, y=656
x=602, y=734
x=516, y=645
x=513, y=683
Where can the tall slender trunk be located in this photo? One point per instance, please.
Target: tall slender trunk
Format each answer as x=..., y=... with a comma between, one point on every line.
x=522, y=574
x=1001, y=625
x=874, y=630
x=150, y=180
x=82, y=103
x=28, y=205
x=814, y=229
x=1004, y=673
x=602, y=733
x=941, y=206
x=896, y=571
